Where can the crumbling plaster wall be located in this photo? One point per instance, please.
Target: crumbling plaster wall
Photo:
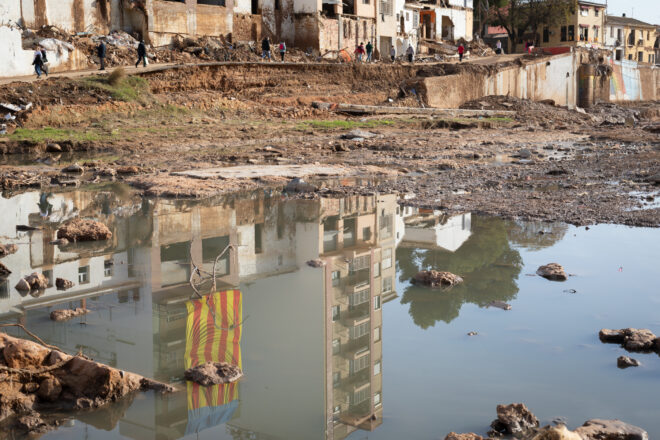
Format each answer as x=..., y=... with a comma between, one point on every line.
x=165, y=19
x=69, y=15
x=631, y=81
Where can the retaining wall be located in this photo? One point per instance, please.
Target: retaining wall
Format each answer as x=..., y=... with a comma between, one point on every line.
x=632, y=81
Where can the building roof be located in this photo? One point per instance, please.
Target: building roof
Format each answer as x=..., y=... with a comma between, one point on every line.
x=589, y=3
x=627, y=21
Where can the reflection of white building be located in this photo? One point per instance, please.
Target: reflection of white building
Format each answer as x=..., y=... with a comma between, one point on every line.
x=431, y=229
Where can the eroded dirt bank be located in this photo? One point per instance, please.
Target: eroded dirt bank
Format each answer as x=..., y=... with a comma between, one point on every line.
x=540, y=162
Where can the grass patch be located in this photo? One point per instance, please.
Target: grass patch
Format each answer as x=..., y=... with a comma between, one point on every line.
x=131, y=88
x=345, y=124
x=55, y=135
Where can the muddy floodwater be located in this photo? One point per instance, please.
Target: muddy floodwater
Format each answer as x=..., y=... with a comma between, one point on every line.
x=350, y=349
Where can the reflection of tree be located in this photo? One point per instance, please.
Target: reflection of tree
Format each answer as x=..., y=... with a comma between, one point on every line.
x=535, y=235
x=486, y=262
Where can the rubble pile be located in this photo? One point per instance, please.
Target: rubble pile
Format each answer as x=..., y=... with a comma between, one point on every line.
x=213, y=373
x=84, y=230
x=434, y=278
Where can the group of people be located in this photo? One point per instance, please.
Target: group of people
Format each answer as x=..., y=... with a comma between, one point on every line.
x=101, y=51
x=40, y=61
x=266, y=49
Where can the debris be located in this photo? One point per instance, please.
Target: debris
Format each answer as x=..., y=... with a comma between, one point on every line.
x=26, y=228
x=631, y=339
x=73, y=168
x=513, y=419
x=434, y=278
x=472, y=333
x=597, y=429
x=468, y=436
x=625, y=362
x=34, y=281
x=213, y=373
x=552, y=271
x=316, y=263
x=84, y=230
x=358, y=134
x=63, y=284
x=7, y=249
x=500, y=305
x=65, y=314
x=297, y=184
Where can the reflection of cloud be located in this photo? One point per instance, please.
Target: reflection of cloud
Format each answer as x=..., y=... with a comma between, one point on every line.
x=485, y=261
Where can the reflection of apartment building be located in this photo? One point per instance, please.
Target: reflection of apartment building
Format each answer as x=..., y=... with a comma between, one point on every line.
x=312, y=336
x=584, y=27
x=630, y=39
x=428, y=228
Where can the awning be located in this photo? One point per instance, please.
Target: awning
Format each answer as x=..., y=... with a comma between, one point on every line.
x=584, y=25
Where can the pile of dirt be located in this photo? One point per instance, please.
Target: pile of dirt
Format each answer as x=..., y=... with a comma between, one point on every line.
x=84, y=230
x=36, y=381
x=434, y=278
x=213, y=373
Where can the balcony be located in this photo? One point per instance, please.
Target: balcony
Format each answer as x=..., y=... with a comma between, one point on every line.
x=356, y=346
x=355, y=315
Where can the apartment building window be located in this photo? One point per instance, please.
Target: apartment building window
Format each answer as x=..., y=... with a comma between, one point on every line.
x=584, y=12
x=386, y=7
x=407, y=16
x=258, y=238
x=376, y=270
x=571, y=33
x=376, y=368
x=360, y=263
x=377, y=302
x=584, y=33
x=651, y=60
x=83, y=275
x=386, y=262
x=359, y=364
x=336, y=379
x=365, y=2
x=359, y=330
x=595, y=33
x=387, y=285
x=108, y=268
x=377, y=398
x=564, y=33
x=336, y=346
x=415, y=19
x=611, y=32
x=377, y=334
x=640, y=57
x=366, y=233
x=360, y=396
x=335, y=313
x=596, y=12
x=336, y=278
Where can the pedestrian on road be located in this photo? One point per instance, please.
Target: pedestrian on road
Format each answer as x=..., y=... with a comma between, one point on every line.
x=370, y=51
x=44, y=60
x=461, y=51
x=282, y=49
x=411, y=53
x=393, y=53
x=142, y=54
x=37, y=61
x=498, y=47
x=100, y=50
x=265, y=49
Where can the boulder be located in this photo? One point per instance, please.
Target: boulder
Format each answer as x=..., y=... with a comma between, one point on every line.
x=467, y=436
x=53, y=148
x=63, y=284
x=632, y=339
x=24, y=355
x=65, y=314
x=625, y=362
x=84, y=230
x=556, y=433
x=34, y=281
x=597, y=429
x=213, y=373
x=22, y=286
x=49, y=389
x=434, y=278
x=607, y=335
x=513, y=419
x=524, y=153
x=358, y=134
x=7, y=249
x=552, y=271
x=4, y=272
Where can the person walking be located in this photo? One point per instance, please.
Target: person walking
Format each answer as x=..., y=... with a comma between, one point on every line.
x=142, y=54
x=282, y=48
x=100, y=51
x=498, y=47
x=44, y=60
x=265, y=49
x=411, y=53
x=393, y=53
x=37, y=61
x=370, y=51
x=461, y=51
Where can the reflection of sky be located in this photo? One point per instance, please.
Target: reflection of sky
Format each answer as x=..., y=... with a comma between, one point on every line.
x=544, y=352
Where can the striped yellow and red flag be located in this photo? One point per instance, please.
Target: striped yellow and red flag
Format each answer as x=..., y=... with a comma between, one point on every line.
x=213, y=333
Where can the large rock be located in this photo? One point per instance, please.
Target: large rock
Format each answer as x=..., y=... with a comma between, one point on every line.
x=7, y=249
x=84, y=230
x=467, y=436
x=65, y=314
x=213, y=373
x=552, y=271
x=49, y=389
x=597, y=429
x=513, y=419
x=18, y=354
x=63, y=284
x=34, y=281
x=556, y=433
x=625, y=362
x=434, y=278
x=632, y=339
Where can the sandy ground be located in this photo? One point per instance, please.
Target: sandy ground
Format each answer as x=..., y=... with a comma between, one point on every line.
x=546, y=162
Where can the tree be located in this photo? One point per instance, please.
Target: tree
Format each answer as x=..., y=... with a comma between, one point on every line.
x=520, y=17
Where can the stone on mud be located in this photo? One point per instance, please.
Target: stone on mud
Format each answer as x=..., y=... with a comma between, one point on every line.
x=213, y=373
x=552, y=271
x=434, y=278
x=625, y=362
x=632, y=339
x=357, y=133
x=556, y=433
x=84, y=230
x=63, y=284
x=53, y=148
x=513, y=419
x=297, y=184
x=7, y=249
x=466, y=436
x=64, y=314
x=597, y=429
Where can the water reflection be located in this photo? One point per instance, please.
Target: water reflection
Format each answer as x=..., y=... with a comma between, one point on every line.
x=309, y=337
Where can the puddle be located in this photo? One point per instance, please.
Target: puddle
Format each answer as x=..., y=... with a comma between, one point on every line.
x=351, y=349
x=645, y=200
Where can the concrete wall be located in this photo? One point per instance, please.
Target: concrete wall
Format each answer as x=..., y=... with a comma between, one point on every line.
x=631, y=81
x=550, y=78
x=69, y=15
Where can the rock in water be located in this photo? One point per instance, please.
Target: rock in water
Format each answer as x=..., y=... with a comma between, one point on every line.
x=63, y=284
x=65, y=314
x=434, y=278
x=35, y=281
x=7, y=249
x=22, y=286
x=625, y=362
x=316, y=263
x=468, y=436
x=632, y=339
x=514, y=419
x=213, y=373
x=84, y=230
x=597, y=429
x=552, y=271
x=556, y=433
